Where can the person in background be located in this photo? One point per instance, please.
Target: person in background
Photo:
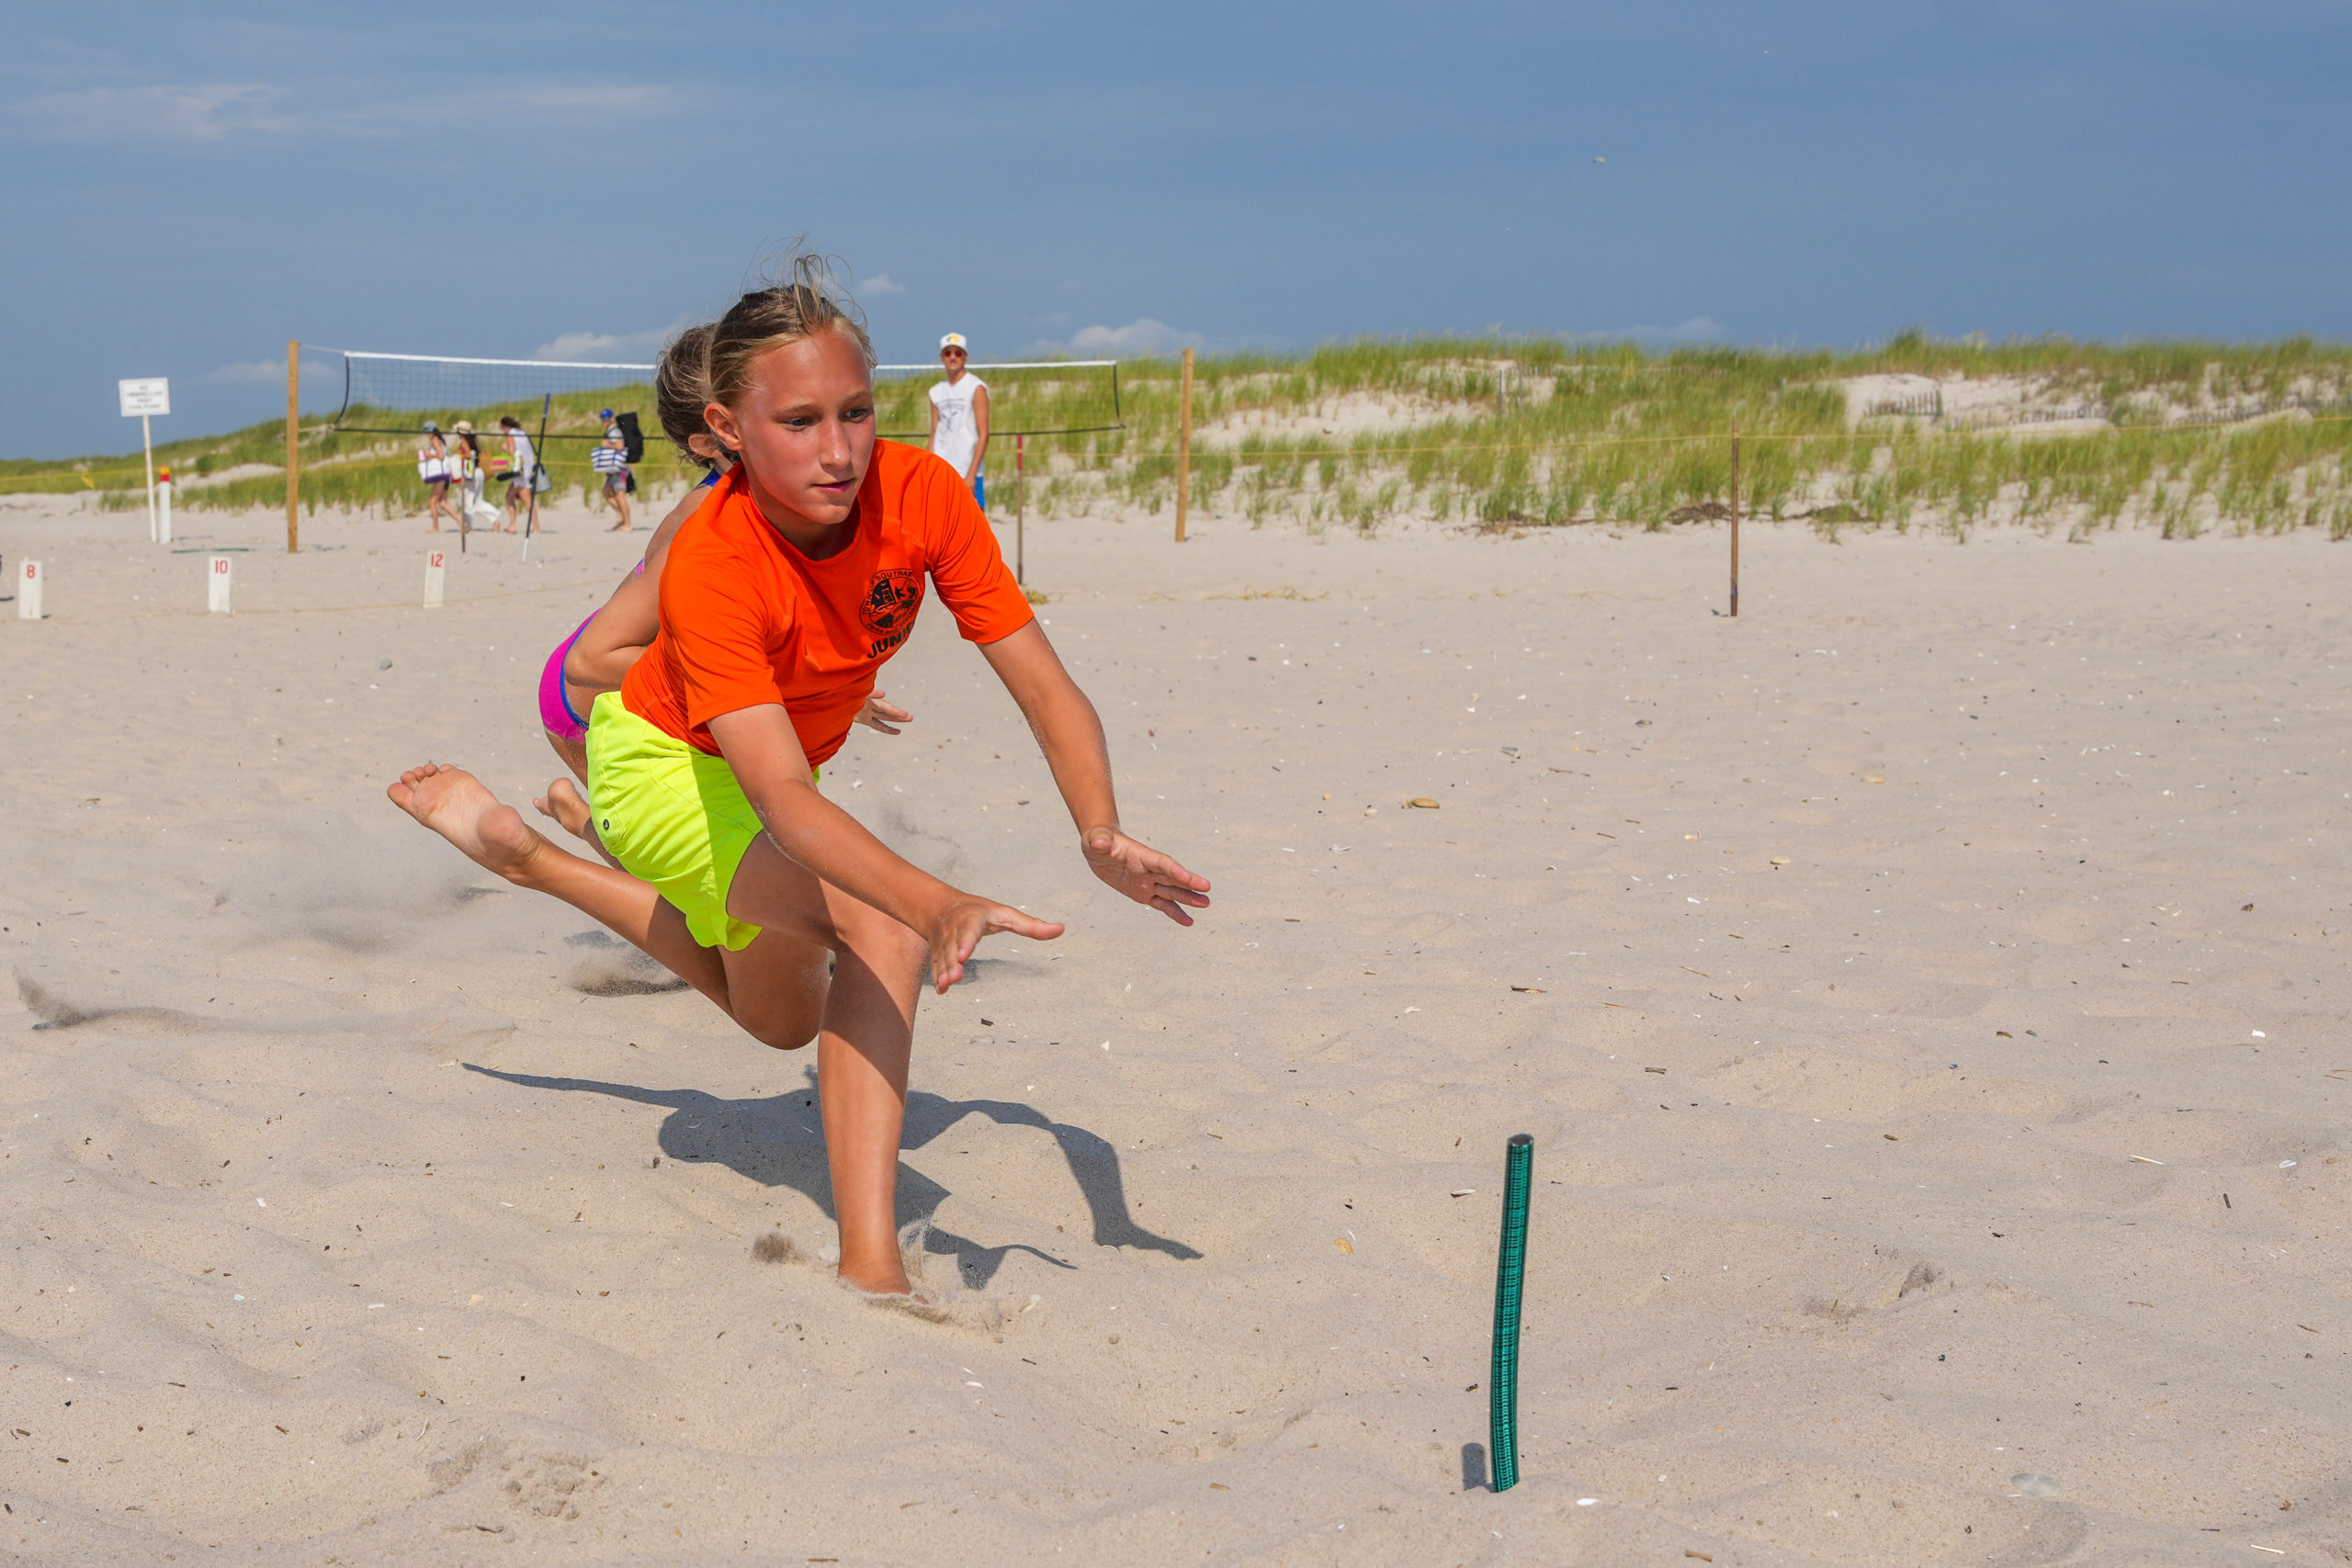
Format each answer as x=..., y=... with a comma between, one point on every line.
x=465, y=472
x=959, y=418
x=610, y=459
x=432, y=468
x=521, y=460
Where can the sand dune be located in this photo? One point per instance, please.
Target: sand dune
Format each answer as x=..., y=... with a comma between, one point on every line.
x=1927, y=994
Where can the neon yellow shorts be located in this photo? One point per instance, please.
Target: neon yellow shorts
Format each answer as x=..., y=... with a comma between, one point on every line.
x=672, y=815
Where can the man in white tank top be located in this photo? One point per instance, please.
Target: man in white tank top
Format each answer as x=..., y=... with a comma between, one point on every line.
x=959, y=418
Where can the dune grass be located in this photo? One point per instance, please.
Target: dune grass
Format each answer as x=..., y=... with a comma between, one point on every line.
x=2182, y=436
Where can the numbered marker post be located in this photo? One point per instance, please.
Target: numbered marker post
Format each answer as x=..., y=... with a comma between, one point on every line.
x=28, y=582
x=217, y=582
x=437, y=565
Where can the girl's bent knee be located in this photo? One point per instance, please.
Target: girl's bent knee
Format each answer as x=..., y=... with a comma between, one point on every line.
x=785, y=1029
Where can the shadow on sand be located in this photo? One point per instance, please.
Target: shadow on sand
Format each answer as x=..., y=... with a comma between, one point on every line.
x=777, y=1141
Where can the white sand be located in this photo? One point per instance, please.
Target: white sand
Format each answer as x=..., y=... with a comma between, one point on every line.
x=353, y=1221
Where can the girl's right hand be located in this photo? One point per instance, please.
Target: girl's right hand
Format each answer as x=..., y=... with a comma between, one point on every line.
x=957, y=930
x=881, y=714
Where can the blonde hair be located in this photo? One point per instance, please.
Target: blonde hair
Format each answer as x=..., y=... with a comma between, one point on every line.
x=807, y=301
x=681, y=392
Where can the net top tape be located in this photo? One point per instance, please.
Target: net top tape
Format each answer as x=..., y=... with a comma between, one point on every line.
x=1003, y=365
x=600, y=364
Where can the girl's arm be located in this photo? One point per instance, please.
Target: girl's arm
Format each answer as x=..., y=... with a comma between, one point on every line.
x=760, y=745
x=1070, y=735
x=621, y=632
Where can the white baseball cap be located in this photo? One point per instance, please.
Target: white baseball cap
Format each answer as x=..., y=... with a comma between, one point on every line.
x=954, y=340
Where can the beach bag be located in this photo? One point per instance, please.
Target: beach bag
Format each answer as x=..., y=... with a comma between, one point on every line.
x=632, y=438
x=541, y=482
x=432, y=469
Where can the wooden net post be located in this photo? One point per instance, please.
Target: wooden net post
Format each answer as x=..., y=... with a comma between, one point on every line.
x=1734, y=517
x=1184, y=450
x=293, y=446
x=1020, y=513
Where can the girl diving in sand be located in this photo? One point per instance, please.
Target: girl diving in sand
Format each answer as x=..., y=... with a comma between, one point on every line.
x=779, y=597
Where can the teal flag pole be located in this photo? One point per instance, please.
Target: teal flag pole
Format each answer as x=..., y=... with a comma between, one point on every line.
x=1510, y=1271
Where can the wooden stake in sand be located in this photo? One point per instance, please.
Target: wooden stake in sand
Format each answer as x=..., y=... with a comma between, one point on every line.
x=1510, y=1272
x=1734, y=517
x=1184, y=449
x=436, y=563
x=293, y=445
x=28, y=582
x=1020, y=513
x=217, y=586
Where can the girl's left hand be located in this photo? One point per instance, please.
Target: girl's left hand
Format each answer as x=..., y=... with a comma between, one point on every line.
x=1144, y=874
x=881, y=714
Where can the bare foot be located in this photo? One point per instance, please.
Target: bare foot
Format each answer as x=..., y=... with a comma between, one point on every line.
x=882, y=1281
x=563, y=803
x=454, y=804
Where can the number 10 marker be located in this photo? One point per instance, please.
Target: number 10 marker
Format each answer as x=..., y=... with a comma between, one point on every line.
x=218, y=583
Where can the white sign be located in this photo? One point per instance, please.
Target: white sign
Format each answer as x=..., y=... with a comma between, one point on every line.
x=436, y=567
x=28, y=581
x=217, y=599
x=151, y=395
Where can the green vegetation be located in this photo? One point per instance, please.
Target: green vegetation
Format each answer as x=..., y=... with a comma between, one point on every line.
x=1507, y=432
x=2183, y=436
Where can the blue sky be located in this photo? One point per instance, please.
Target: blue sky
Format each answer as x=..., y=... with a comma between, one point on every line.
x=185, y=192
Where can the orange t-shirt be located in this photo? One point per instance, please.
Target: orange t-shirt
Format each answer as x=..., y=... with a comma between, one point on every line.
x=747, y=619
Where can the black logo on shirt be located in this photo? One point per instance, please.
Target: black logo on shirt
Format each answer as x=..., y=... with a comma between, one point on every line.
x=888, y=611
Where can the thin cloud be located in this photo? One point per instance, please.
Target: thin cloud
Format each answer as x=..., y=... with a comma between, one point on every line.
x=632, y=348
x=249, y=373
x=1144, y=336
x=881, y=286
x=215, y=112
x=191, y=112
x=1697, y=329
x=615, y=99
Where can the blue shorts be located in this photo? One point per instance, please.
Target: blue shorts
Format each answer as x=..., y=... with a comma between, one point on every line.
x=981, y=489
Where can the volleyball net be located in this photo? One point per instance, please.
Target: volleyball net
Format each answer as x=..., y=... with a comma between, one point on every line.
x=394, y=394
x=1062, y=397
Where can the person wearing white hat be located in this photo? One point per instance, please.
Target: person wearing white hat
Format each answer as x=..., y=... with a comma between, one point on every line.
x=959, y=418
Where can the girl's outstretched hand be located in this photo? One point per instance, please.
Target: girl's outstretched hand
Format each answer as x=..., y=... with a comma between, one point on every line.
x=1144, y=874
x=957, y=929
x=882, y=715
